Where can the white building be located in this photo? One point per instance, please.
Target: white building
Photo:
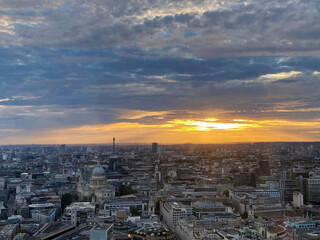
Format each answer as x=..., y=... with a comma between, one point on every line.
x=172, y=212
x=44, y=216
x=297, y=199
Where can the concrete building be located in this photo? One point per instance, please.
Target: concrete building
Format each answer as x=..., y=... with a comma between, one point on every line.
x=287, y=187
x=297, y=199
x=8, y=231
x=112, y=207
x=44, y=216
x=101, y=232
x=313, y=190
x=79, y=213
x=245, y=179
x=256, y=201
x=204, y=208
x=172, y=212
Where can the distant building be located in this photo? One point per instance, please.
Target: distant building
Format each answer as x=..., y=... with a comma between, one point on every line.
x=3, y=211
x=112, y=207
x=204, y=208
x=2, y=183
x=62, y=149
x=264, y=168
x=256, y=201
x=79, y=212
x=160, y=150
x=297, y=199
x=154, y=148
x=97, y=186
x=172, y=212
x=310, y=236
x=101, y=233
x=44, y=216
x=8, y=231
x=244, y=179
x=313, y=190
x=287, y=187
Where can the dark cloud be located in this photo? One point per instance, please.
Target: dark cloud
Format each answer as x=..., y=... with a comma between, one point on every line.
x=71, y=63
x=218, y=28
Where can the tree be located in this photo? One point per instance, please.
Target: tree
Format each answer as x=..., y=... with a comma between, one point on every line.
x=226, y=193
x=157, y=208
x=17, y=174
x=244, y=215
x=76, y=197
x=125, y=190
x=66, y=200
x=134, y=211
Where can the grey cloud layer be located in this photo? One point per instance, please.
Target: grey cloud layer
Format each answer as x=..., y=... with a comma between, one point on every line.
x=77, y=62
x=174, y=28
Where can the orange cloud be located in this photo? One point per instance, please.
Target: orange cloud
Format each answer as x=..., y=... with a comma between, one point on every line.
x=209, y=130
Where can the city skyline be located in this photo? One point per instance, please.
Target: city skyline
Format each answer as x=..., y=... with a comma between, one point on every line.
x=79, y=72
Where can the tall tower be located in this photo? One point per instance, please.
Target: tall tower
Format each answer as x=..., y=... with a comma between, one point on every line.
x=154, y=148
x=114, y=145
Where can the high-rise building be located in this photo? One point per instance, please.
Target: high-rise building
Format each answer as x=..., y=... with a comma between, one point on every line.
x=313, y=190
x=154, y=147
x=287, y=187
x=114, y=145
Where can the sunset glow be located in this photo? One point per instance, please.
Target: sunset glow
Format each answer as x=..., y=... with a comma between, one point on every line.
x=167, y=71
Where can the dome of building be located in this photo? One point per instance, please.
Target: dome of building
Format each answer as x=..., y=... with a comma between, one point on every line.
x=98, y=172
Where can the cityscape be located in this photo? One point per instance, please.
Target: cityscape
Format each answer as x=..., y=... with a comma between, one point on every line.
x=159, y=120
x=140, y=192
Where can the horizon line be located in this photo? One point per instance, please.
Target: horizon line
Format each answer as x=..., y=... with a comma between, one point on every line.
x=131, y=144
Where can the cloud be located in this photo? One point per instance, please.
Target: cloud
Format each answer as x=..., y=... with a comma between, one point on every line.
x=184, y=131
x=278, y=76
x=213, y=28
x=138, y=114
x=67, y=64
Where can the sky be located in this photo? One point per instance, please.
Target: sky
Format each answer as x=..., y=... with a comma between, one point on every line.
x=180, y=71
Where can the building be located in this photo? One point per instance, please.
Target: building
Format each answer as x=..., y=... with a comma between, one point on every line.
x=245, y=179
x=8, y=231
x=287, y=187
x=300, y=226
x=248, y=233
x=101, y=232
x=97, y=188
x=310, y=236
x=256, y=201
x=43, y=212
x=264, y=168
x=204, y=208
x=112, y=207
x=154, y=148
x=62, y=149
x=44, y=215
x=171, y=212
x=79, y=212
x=313, y=190
x=297, y=199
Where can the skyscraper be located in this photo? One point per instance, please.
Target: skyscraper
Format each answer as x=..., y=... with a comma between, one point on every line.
x=114, y=145
x=154, y=147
